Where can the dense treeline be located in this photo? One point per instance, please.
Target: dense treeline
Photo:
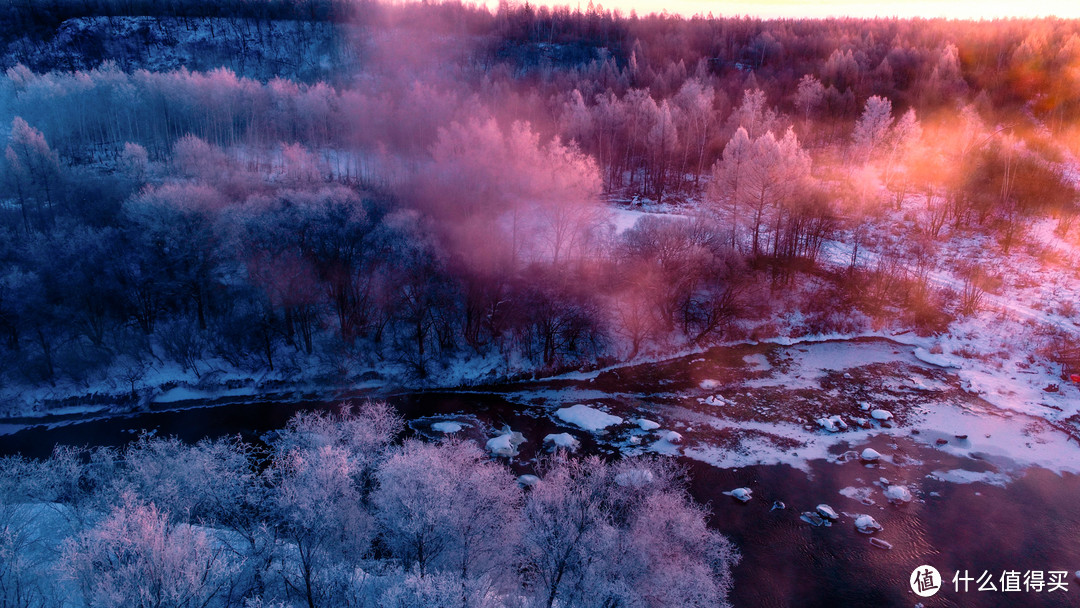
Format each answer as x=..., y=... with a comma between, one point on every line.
x=335, y=513
x=438, y=200
x=38, y=17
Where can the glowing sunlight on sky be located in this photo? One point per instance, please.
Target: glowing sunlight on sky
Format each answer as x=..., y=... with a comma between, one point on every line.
x=954, y=9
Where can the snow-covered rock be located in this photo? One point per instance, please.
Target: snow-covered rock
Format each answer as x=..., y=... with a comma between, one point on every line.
x=827, y=512
x=880, y=414
x=827, y=424
x=870, y=455
x=898, y=494
x=647, y=425
x=866, y=524
x=881, y=544
x=447, y=427
x=671, y=437
x=501, y=446
x=505, y=444
x=526, y=481
x=814, y=519
x=563, y=440
x=742, y=494
x=587, y=418
x=833, y=424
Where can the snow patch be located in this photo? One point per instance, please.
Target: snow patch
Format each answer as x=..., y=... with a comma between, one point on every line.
x=562, y=440
x=965, y=476
x=647, y=425
x=757, y=363
x=814, y=519
x=587, y=418
x=860, y=494
x=939, y=360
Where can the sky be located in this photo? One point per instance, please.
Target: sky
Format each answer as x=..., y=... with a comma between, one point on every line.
x=955, y=9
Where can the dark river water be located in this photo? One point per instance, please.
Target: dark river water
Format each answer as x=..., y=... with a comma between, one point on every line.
x=1033, y=523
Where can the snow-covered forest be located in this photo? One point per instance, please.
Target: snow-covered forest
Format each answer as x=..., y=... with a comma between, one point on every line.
x=443, y=195
x=334, y=513
x=660, y=242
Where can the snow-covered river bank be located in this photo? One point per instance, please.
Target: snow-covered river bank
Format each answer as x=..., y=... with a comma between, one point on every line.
x=990, y=488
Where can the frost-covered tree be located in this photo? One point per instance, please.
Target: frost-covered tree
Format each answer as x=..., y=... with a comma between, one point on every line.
x=215, y=483
x=364, y=433
x=173, y=226
x=904, y=139
x=729, y=183
x=777, y=171
x=872, y=129
x=809, y=95
x=318, y=507
x=447, y=507
x=695, y=101
x=321, y=473
x=621, y=534
x=436, y=590
x=566, y=526
x=752, y=114
x=33, y=172
x=134, y=161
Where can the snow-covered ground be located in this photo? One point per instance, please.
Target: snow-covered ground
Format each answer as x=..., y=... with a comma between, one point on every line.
x=767, y=407
x=1030, y=302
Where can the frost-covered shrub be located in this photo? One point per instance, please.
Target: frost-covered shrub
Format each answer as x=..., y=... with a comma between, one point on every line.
x=25, y=550
x=136, y=558
x=182, y=342
x=211, y=481
x=438, y=590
